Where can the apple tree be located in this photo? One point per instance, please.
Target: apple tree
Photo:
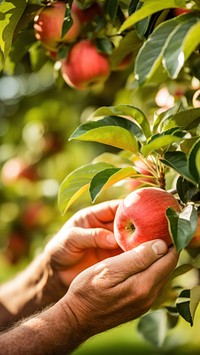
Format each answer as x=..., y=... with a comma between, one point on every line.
x=141, y=59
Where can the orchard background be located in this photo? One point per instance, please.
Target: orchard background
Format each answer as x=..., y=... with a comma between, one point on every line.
x=68, y=141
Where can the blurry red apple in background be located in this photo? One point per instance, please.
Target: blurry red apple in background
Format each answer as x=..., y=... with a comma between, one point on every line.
x=17, y=168
x=87, y=15
x=85, y=66
x=141, y=217
x=17, y=247
x=48, y=26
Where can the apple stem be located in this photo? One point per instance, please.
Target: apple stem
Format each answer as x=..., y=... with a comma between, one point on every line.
x=161, y=180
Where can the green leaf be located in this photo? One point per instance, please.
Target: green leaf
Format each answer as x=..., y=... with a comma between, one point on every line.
x=151, y=53
x=111, y=9
x=173, y=55
x=153, y=326
x=188, y=302
x=178, y=161
x=160, y=140
x=185, y=119
x=76, y=183
x=182, y=225
x=194, y=161
x=106, y=178
x=130, y=43
x=125, y=110
x=112, y=130
x=183, y=306
x=10, y=14
x=186, y=190
x=149, y=8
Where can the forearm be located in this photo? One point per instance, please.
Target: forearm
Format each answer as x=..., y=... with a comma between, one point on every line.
x=53, y=331
x=29, y=292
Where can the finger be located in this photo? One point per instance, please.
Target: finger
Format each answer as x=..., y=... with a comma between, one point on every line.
x=138, y=259
x=103, y=212
x=81, y=238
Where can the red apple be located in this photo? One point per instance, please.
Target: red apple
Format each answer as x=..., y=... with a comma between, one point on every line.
x=17, y=168
x=195, y=242
x=85, y=66
x=141, y=217
x=180, y=11
x=125, y=62
x=87, y=15
x=48, y=26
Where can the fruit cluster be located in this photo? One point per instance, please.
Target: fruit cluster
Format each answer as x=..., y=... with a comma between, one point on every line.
x=84, y=65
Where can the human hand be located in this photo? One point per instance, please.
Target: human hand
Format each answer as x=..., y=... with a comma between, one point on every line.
x=119, y=289
x=84, y=240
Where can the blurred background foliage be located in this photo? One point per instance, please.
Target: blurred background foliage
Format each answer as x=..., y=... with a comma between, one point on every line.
x=38, y=113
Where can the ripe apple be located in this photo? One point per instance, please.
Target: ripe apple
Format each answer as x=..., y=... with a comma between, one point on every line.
x=48, y=26
x=195, y=242
x=17, y=168
x=180, y=11
x=141, y=217
x=85, y=66
x=87, y=15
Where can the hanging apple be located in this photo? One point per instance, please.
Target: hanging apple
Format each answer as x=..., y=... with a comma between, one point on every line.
x=141, y=217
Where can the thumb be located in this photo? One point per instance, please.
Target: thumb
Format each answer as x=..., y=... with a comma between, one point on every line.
x=139, y=258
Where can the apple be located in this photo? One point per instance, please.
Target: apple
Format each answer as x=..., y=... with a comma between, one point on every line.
x=87, y=15
x=85, y=66
x=141, y=217
x=17, y=168
x=195, y=242
x=125, y=62
x=17, y=247
x=180, y=11
x=48, y=26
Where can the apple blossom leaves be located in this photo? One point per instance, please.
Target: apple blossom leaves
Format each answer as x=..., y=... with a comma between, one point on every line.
x=182, y=226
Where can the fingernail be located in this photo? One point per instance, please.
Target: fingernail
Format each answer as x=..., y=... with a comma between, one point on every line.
x=111, y=239
x=159, y=247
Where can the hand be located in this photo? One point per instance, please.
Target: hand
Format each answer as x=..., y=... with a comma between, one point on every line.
x=120, y=288
x=84, y=240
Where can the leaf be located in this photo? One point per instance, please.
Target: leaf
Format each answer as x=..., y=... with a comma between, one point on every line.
x=184, y=119
x=173, y=55
x=194, y=161
x=112, y=130
x=186, y=190
x=10, y=14
x=188, y=302
x=183, y=306
x=178, y=161
x=106, y=178
x=153, y=326
x=111, y=9
x=76, y=183
x=130, y=43
x=149, y=8
x=125, y=110
x=160, y=140
x=182, y=225
x=151, y=53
